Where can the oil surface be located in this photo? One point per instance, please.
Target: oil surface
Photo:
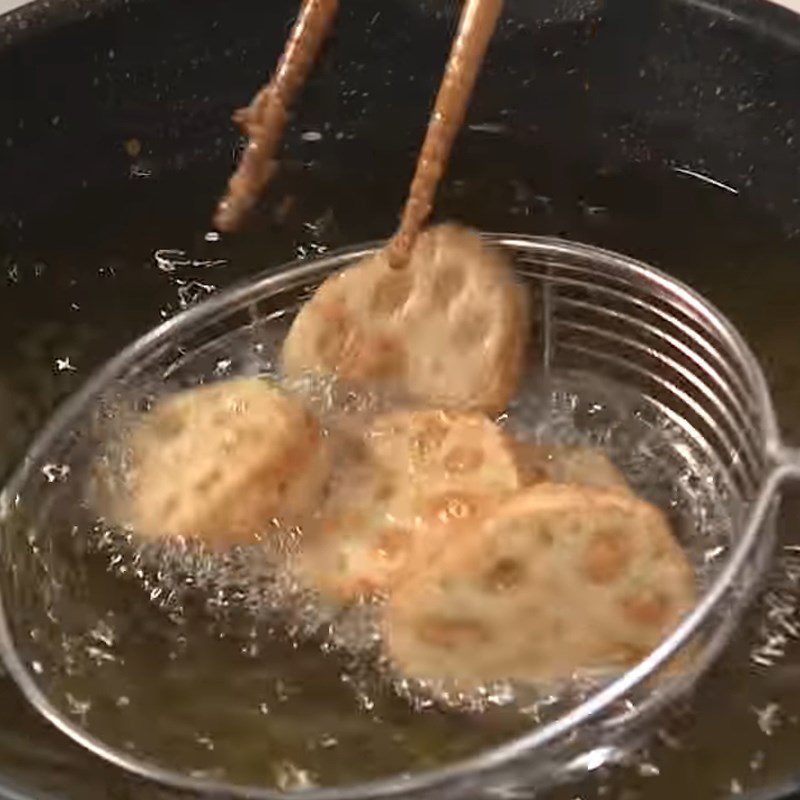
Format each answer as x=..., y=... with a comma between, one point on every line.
x=252, y=679
x=71, y=299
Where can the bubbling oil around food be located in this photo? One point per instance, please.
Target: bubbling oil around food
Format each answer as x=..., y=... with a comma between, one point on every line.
x=253, y=679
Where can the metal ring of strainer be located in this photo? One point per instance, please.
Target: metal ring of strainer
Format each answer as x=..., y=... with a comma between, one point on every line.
x=599, y=313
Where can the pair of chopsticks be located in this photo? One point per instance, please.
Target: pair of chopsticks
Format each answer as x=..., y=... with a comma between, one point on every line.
x=265, y=119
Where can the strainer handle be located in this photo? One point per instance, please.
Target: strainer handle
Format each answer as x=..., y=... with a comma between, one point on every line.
x=787, y=461
x=786, y=467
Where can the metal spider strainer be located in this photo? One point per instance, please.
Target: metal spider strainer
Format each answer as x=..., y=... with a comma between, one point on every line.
x=630, y=359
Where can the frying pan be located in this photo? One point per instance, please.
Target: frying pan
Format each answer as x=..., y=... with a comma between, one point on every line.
x=667, y=130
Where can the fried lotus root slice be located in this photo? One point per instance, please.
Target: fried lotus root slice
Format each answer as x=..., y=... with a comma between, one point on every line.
x=559, y=581
x=448, y=329
x=409, y=469
x=221, y=462
x=581, y=466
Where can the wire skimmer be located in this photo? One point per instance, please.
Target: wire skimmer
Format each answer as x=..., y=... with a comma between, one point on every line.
x=608, y=327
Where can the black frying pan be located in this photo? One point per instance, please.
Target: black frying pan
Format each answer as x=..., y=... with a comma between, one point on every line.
x=667, y=130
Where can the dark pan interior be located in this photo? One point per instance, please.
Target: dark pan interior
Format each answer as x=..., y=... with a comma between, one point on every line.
x=667, y=130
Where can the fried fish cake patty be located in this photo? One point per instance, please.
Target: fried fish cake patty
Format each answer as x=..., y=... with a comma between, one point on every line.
x=558, y=581
x=407, y=469
x=221, y=462
x=448, y=329
x=578, y=465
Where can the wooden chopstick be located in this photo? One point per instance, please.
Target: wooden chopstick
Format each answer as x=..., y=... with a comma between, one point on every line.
x=265, y=119
x=476, y=26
